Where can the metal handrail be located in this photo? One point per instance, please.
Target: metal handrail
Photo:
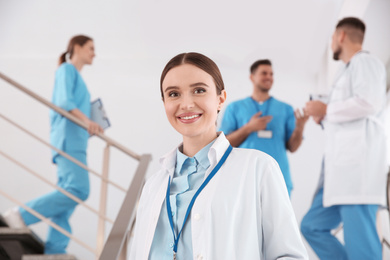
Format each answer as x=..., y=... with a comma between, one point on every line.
x=125, y=218
x=69, y=116
x=66, y=193
x=115, y=242
x=62, y=153
x=47, y=221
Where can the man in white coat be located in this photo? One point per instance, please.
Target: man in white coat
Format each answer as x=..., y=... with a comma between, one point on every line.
x=353, y=178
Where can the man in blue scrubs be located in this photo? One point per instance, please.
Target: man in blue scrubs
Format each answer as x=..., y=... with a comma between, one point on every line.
x=264, y=123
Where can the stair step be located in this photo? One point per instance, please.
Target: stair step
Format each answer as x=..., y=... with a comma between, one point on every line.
x=48, y=257
x=2, y=222
x=15, y=242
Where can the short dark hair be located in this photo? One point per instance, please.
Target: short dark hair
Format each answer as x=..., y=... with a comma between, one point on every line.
x=198, y=60
x=256, y=64
x=354, y=28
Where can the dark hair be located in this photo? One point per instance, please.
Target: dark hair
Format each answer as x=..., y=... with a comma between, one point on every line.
x=354, y=28
x=256, y=64
x=198, y=60
x=76, y=40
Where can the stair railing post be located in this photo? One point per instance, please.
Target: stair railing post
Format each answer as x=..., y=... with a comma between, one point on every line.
x=103, y=200
x=123, y=254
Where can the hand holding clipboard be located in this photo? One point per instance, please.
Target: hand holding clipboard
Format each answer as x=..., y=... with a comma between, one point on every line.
x=98, y=114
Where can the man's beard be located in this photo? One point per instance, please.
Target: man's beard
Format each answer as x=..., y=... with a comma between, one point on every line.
x=336, y=54
x=262, y=89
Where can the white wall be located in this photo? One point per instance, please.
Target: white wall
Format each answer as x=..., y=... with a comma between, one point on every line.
x=134, y=40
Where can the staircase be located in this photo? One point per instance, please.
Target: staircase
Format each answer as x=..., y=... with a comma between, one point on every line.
x=23, y=244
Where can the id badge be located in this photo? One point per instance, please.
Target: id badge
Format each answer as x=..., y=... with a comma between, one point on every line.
x=264, y=134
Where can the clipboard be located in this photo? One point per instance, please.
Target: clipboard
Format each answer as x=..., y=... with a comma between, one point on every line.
x=98, y=114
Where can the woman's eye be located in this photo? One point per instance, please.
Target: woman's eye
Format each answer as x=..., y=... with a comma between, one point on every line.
x=199, y=90
x=173, y=94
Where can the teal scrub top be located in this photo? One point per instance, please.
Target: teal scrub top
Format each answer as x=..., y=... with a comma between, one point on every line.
x=70, y=92
x=282, y=125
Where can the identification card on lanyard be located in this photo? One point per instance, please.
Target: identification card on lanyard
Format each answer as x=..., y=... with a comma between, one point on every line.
x=263, y=133
x=168, y=202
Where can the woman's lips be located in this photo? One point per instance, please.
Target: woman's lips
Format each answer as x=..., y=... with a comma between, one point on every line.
x=189, y=118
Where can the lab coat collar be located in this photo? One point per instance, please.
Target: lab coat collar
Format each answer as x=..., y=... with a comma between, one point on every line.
x=168, y=161
x=218, y=149
x=356, y=54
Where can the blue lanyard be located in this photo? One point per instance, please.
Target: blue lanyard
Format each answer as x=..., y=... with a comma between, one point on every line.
x=169, y=211
x=268, y=104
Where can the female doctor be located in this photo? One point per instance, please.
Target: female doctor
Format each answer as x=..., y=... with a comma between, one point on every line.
x=70, y=93
x=209, y=200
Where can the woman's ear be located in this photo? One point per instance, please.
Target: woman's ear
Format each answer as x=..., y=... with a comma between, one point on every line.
x=222, y=99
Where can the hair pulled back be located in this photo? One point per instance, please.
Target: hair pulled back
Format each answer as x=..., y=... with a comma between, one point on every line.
x=76, y=40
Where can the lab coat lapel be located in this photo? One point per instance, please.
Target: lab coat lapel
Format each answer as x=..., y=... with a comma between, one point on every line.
x=156, y=206
x=168, y=163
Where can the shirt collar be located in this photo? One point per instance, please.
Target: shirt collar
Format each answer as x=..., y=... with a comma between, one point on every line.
x=215, y=153
x=180, y=159
x=201, y=157
x=261, y=102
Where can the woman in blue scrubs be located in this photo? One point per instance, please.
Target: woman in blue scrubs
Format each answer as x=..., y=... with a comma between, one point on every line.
x=70, y=93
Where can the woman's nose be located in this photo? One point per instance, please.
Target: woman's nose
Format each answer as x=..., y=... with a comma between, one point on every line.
x=187, y=102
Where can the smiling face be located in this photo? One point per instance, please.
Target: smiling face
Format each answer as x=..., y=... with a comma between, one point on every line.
x=263, y=78
x=191, y=101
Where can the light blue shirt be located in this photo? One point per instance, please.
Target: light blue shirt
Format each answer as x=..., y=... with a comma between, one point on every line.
x=188, y=177
x=282, y=125
x=70, y=92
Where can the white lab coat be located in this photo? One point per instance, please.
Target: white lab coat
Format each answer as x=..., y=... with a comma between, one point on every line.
x=355, y=154
x=243, y=213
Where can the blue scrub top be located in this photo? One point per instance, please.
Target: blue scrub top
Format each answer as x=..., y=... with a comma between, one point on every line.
x=282, y=125
x=70, y=92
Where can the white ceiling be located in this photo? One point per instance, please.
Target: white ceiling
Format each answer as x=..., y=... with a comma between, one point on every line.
x=293, y=34
x=236, y=31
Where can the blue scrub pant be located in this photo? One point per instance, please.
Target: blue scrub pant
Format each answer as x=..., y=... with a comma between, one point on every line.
x=56, y=205
x=360, y=233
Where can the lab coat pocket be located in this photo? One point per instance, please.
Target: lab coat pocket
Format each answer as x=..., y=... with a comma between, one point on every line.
x=349, y=146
